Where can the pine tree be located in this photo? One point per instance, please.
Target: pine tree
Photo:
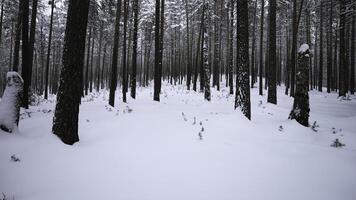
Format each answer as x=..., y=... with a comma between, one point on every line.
x=301, y=108
x=115, y=52
x=134, y=52
x=205, y=52
x=65, y=121
x=261, y=47
x=52, y=3
x=242, y=99
x=272, y=90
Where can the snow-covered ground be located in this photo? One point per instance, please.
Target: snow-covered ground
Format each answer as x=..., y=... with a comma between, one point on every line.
x=145, y=150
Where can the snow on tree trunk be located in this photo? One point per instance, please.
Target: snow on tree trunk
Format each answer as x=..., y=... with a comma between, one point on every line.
x=205, y=51
x=10, y=102
x=301, y=108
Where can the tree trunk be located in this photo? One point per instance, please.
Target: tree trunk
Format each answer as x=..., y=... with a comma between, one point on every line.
x=113, y=80
x=272, y=88
x=49, y=50
x=124, y=54
x=231, y=48
x=261, y=48
x=134, y=51
x=25, y=52
x=242, y=99
x=321, y=59
x=65, y=121
x=205, y=51
x=301, y=108
x=15, y=66
x=342, y=53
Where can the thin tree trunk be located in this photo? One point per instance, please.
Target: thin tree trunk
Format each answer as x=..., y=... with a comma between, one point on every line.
x=113, y=80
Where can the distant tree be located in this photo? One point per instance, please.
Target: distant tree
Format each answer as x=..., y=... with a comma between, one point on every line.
x=321, y=48
x=65, y=121
x=52, y=3
x=115, y=52
x=261, y=48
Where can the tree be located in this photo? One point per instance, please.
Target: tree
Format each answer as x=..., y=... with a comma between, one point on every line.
x=28, y=75
x=300, y=111
x=134, y=51
x=231, y=47
x=52, y=3
x=15, y=66
x=65, y=121
x=329, y=48
x=261, y=48
x=272, y=90
x=157, y=69
x=242, y=99
x=25, y=51
x=115, y=52
x=124, y=54
x=342, y=54
x=321, y=59
x=189, y=67
x=205, y=51
x=353, y=48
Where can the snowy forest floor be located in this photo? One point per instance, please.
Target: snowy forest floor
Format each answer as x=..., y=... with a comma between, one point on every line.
x=145, y=150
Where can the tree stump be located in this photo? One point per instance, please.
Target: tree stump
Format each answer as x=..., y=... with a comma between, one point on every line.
x=10, y=102
x=300, y=111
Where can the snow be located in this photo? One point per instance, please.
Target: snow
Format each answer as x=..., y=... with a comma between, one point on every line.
x=303, y=48
x=8, y=113
x=147, y=150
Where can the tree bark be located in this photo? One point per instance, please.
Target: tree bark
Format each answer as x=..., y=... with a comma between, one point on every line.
x=113, y=79
x=65, y=121
x=242, y=99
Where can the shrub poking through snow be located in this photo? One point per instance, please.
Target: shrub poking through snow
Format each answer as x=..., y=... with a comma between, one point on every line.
x=315, y=126
x=337, y=143
x=14, y=158
x=300, y=111
x=10, y=103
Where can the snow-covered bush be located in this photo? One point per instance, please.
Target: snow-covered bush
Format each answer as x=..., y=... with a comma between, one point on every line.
x=10, y=102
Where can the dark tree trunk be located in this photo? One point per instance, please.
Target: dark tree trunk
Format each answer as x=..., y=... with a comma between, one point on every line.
x=231, y=48
x=189, y=67
x=253, y=70
x=113, y=79
x=98, y=61
x=329, y=48
x=321, y=59
x=301, y=108
x=261, y=48
x=65, y=121
x=242, y=81
x=134, y=51
x=15, y=66
x=353, y=48
x=205, y=52
x=157, y=69
x=342, y=53
x=25, y=52
x=28, y=78
x=272, y=88
x=86, y=78
x=91, y=79
x=49, y=50
x=124, y=54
